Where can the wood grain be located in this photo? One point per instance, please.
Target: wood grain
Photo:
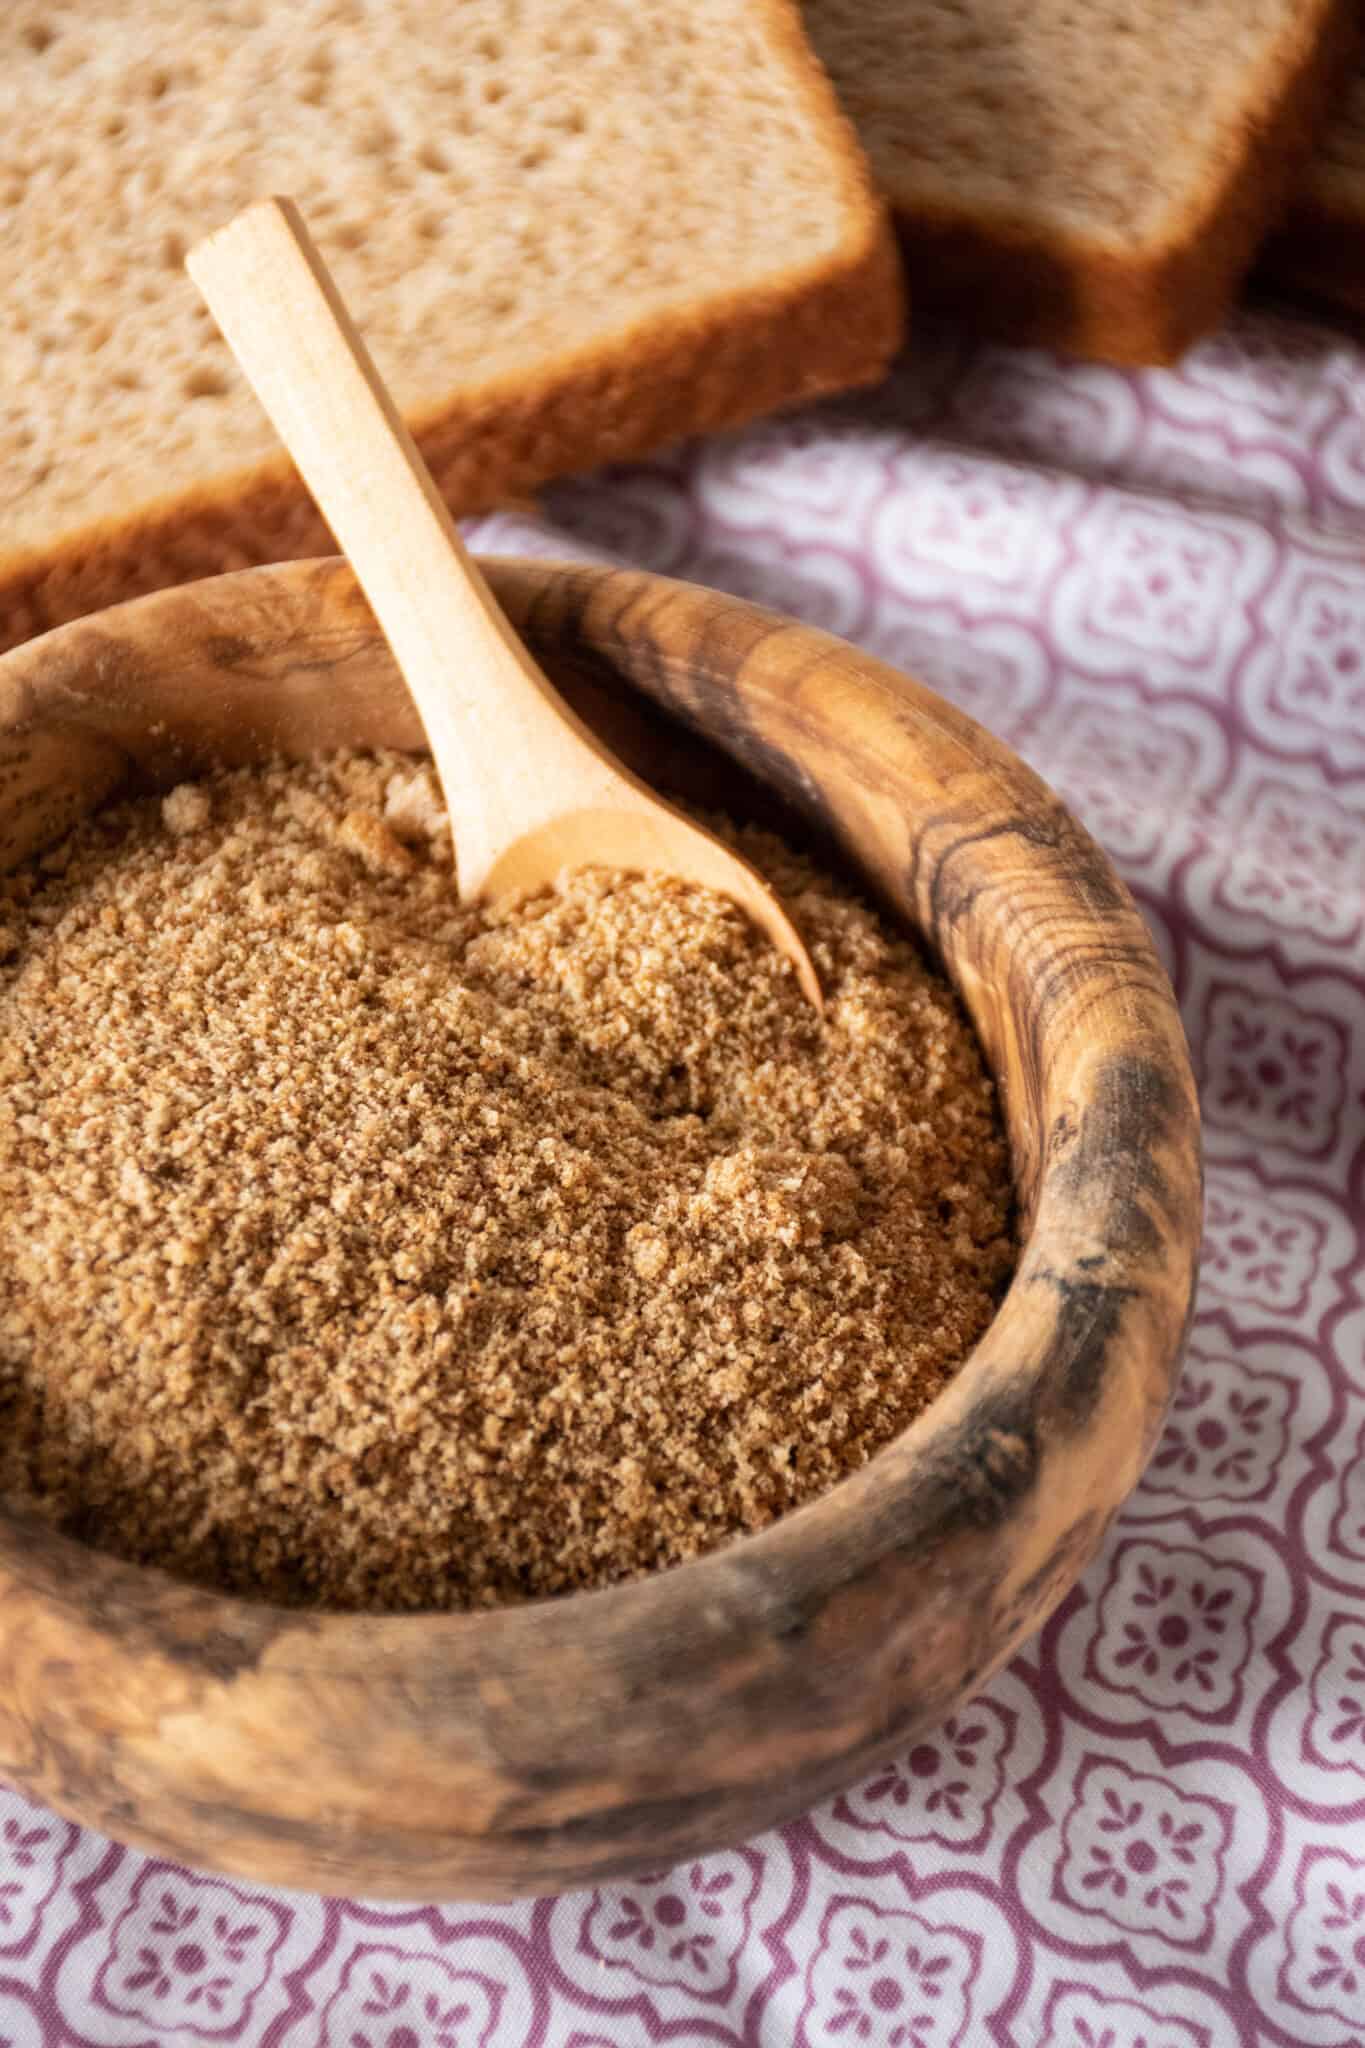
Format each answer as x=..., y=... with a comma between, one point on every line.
x=547, y=1746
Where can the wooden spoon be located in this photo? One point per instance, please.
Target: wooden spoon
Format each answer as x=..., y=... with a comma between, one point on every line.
x=530, y=791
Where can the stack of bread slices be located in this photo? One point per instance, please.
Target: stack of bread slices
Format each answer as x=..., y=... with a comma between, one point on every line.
x=573, y=232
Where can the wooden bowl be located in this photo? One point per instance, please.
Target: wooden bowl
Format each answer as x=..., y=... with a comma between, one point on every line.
x=533, y=1748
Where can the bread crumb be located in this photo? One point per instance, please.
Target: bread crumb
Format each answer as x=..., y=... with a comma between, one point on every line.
x=648, y=1251
x=413, y=807
x=363, y=1249
x=368, y=837
x=187, y=808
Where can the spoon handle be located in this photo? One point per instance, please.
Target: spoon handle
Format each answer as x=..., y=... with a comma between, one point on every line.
x=530, y=790
x=510, y=754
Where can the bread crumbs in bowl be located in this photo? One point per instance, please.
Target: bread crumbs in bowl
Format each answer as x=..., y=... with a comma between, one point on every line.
x=365, y=1249
x=278, y=1357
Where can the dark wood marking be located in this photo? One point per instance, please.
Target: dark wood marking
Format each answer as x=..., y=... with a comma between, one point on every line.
x=524, y=1750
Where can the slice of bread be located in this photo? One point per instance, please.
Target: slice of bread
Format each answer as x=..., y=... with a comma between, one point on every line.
x=1094, y=175
x=1321, y=247
x=569, y=233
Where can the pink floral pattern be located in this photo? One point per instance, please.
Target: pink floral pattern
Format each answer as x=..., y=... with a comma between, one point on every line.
x=34, y=1847
x=1134, y=782
x=996, y=677
x=1347, y=1533
x=390, y=1999
x=1273, y=1071
x=957, y=528
x=1139, y=1853
x=1157, y=595
x=1021, y=403
x=679, y=1928
x=942, y=1788
x=189, y=1954
x=21, y=2022
x=1149, y=1830
x=1159, y=584
x=888, y=1980
x=1173, y=1628
x=1295, y=862
x=1336, y=1727
x=411, y=1978
x=1079, y=2018
x=1323, y=682
x=1324, y=1966
x=1268, y=1252
x=1226, y=1435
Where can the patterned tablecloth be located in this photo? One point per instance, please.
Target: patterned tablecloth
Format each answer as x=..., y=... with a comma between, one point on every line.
x=1149, y=1832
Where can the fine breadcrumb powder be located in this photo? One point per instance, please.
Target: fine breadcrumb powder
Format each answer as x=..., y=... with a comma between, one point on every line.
x=364, y=1250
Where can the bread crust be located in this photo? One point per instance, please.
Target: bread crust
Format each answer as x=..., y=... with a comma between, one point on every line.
x=823, y=327
x=1144, y=305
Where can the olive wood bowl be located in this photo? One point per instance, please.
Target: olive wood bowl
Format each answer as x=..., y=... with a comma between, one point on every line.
x=532, y=1748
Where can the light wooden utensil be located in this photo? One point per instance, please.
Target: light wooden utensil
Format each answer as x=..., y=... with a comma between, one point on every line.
x=530, y=791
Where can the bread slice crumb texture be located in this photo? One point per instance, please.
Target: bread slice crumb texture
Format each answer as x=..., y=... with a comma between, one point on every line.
x=505, y=189
x=1103, y=117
